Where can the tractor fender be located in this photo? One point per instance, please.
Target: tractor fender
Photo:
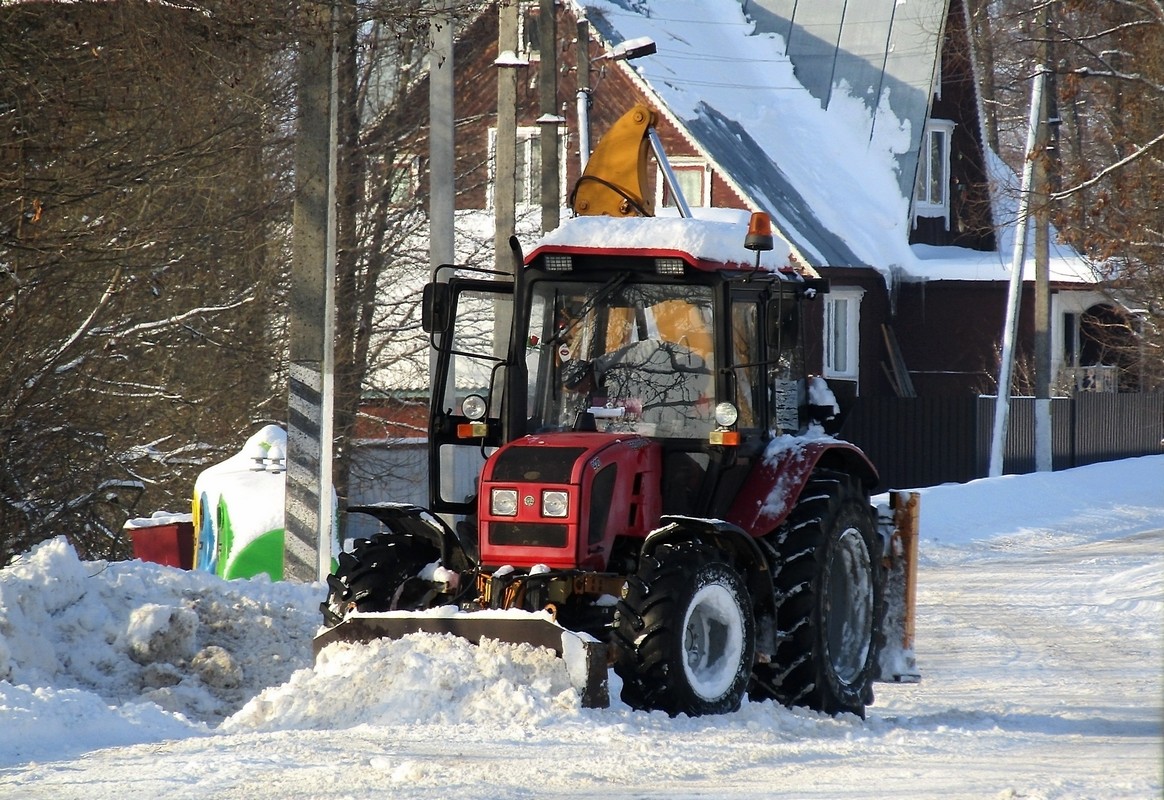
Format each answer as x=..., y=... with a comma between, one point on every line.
x=773, y=487
x=741, y=549
x=406, y=518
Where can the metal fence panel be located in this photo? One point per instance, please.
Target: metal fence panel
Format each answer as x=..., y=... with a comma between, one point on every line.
x=916, y=441
x=1112, y=426
x=926, y=441
x=1018, y=453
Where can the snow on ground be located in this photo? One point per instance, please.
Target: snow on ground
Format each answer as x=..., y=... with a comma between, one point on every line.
x=1039, y=636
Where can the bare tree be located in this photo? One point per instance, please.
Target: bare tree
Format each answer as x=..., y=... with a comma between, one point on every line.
x=140, y=214
x=144, y=236
x=382, y=260
x=1107, y=153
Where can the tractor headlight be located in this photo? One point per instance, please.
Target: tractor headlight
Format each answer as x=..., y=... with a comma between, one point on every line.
x=555, y=503
x=503, y=502
x=726, y=415
x=473, y=407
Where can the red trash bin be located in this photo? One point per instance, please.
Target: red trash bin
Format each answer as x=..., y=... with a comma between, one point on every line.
x=163, y=538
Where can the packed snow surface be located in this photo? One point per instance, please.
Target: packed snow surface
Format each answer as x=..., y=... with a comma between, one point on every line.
x=1039, y=633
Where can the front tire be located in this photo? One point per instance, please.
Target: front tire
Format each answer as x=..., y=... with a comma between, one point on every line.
x=826, y=570
x=684, y=633
x=380, y=574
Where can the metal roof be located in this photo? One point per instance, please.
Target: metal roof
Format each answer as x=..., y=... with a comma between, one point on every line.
x=884, y=52
x=882, y=48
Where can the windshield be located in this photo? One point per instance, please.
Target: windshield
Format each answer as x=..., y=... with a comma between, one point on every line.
x=636, y=356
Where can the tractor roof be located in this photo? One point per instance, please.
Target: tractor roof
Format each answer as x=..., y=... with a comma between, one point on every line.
x=713, y=241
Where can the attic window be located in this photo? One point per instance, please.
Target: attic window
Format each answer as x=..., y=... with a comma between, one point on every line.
x=932, y=190
x=694, y=179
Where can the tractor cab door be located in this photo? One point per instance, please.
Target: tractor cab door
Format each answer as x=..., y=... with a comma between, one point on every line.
x=469, y=321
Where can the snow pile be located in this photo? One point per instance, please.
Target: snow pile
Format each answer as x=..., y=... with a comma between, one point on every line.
x=714, y=234
x=140, y=650
x=1049, y=509
x=420, y=678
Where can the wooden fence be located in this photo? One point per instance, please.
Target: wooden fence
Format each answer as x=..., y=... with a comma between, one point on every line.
x=925, y=441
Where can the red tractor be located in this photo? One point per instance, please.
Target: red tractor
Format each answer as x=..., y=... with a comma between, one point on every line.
x=634, y=470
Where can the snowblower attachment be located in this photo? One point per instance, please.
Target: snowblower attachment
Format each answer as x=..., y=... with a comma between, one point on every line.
x=423, y=597
x=586, y=658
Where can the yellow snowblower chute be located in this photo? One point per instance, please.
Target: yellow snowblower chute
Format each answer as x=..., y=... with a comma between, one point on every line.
x=615, y=180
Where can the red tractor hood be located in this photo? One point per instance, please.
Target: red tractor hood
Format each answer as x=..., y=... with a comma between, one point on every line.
x=610, y=483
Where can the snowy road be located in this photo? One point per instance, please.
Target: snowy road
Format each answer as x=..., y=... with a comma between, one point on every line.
x=1042, y=652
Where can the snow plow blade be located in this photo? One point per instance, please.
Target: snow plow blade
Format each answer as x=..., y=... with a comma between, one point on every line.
x=585, y=657
x=899, y=525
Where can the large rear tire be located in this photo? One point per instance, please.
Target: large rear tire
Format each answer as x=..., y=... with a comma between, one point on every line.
x=827, y=574
x=380, y=574
x=684, y=635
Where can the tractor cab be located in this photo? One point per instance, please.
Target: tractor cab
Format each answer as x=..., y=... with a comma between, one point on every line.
x=663, y=336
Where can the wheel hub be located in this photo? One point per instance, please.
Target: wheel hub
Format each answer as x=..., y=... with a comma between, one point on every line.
x=850, y=598
x=712, y=641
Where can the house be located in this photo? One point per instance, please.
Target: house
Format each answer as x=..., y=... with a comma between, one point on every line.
x=857, y=126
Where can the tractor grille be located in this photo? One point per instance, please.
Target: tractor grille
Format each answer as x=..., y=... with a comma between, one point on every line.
x=517, y=534
x=540, y=464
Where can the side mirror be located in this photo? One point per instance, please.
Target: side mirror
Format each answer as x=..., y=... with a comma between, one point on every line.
x=435, y=309
x=783, y=322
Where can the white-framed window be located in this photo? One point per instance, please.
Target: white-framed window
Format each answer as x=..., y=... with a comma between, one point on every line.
x=397, y=178
x=528, y=165
x=842, y=320
x=932, y=189
x=403, y=178
x=528, y=31
x=694, y=178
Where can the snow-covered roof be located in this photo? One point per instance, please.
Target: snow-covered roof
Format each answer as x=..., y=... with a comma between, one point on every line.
x=713, y=234
x=814, y=116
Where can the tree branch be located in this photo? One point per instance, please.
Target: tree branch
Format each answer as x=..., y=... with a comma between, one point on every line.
x=1099, y=176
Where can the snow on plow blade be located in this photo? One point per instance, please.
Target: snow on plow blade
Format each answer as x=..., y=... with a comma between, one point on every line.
x=585, y=657
x=899, y=521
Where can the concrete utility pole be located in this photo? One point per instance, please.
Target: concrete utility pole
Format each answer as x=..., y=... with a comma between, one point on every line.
x=441, y=172
x=550, y=119
x=311, y=324
x=1044, y=449
x=441, y=152
x=1010, y=329
x=505, y=143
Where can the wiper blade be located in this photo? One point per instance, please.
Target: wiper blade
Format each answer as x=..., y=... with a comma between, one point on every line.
x=604, y=291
